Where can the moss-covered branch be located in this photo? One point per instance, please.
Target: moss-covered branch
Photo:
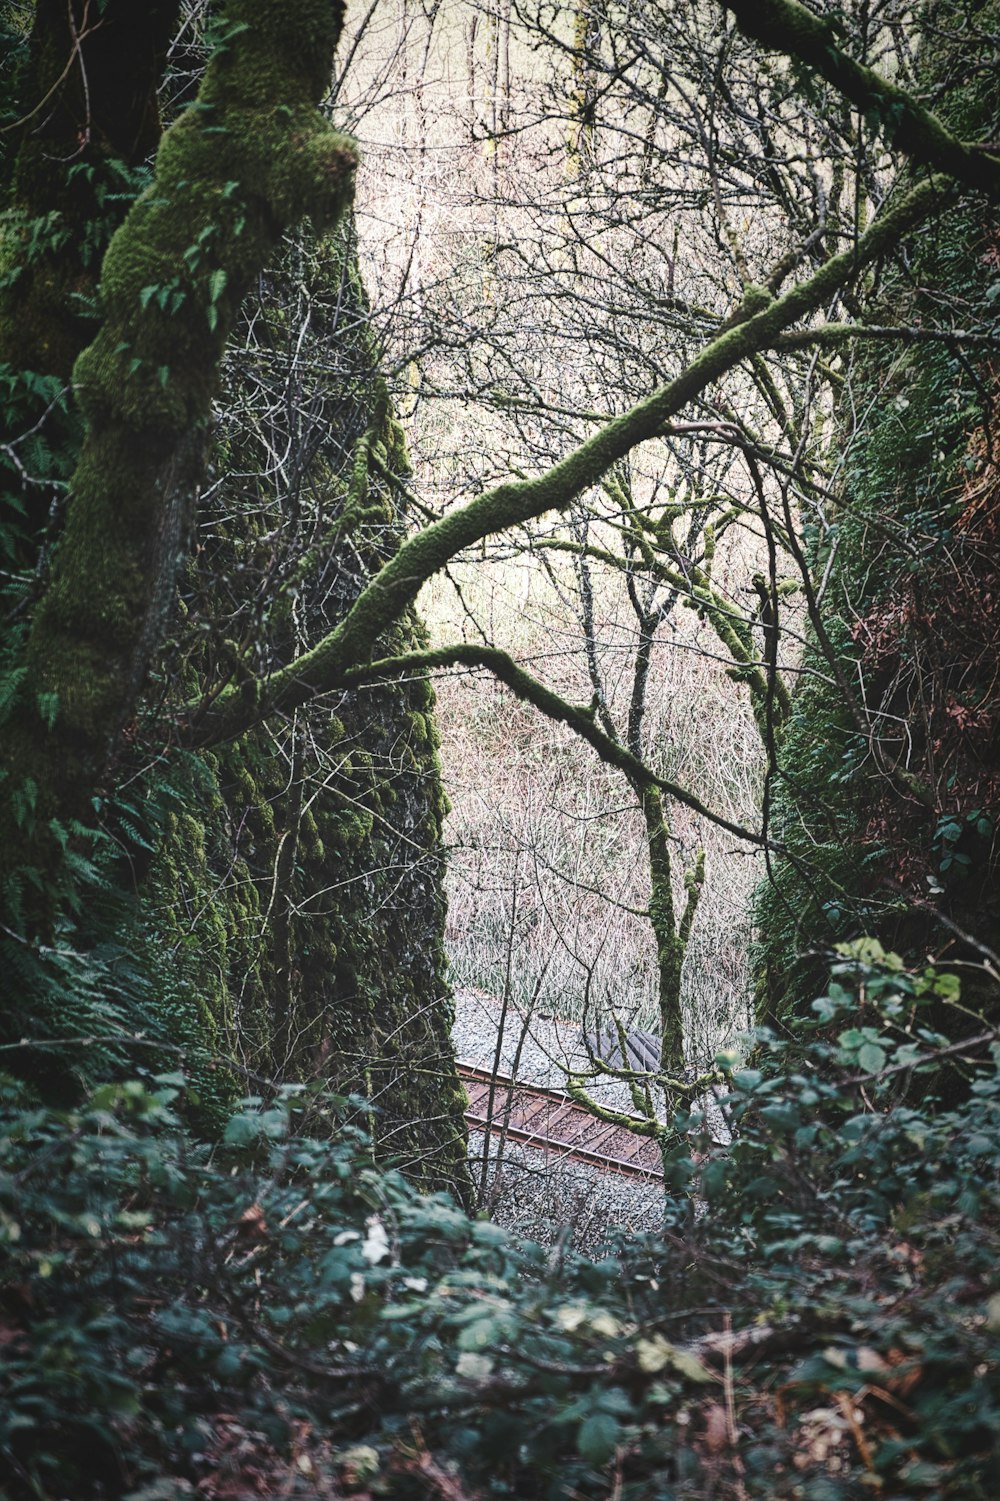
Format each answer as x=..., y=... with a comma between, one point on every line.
x=639, y=1126
x=694, y=881
x=528, y=688
x=515, y=502
x=785, y=26
x=837, y=334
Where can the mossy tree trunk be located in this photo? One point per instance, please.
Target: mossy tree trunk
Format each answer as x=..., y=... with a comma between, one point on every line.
x=889, y=807
x=290, y=916
x=313, y=913
x=250, y=158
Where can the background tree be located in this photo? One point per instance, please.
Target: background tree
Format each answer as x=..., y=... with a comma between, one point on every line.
x=74, y=712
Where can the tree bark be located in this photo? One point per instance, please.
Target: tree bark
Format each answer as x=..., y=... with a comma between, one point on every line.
x=251, y=158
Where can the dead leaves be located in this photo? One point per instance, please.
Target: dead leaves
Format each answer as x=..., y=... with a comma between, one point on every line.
x=253, y=1225
x=859, y=1415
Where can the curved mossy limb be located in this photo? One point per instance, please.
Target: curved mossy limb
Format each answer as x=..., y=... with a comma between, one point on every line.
x=906, y=813
x=252, y=156
x=326, y=665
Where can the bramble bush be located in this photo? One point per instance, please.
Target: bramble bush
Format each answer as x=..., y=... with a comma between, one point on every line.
x=274, y=1315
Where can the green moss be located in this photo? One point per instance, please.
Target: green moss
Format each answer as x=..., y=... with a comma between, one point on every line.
x=323, y=832
x=230, y=175
x=859, y=839
x=184, y=941
x=423, y=731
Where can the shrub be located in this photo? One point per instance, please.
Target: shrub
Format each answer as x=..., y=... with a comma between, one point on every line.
x=275, y=1315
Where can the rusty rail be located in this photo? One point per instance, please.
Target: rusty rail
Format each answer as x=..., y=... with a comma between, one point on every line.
x=551, y=1121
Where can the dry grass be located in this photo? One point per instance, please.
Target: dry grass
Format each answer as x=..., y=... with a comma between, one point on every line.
x=489, y=259
x=549, y=875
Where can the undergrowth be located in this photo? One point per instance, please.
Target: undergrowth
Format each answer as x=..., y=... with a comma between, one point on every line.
x=274, y=1315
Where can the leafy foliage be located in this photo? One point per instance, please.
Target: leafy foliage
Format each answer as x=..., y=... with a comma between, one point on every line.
x=898, y=798
x=819, y=1317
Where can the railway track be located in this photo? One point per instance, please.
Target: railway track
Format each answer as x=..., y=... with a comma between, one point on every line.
x=550, y=1121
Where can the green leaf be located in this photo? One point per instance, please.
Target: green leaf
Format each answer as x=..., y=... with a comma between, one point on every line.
x=241, y=1130
x=871, y=1058
x=231, y=1361
x=656, y=1353
x=48, y=708
x=597, y=1438
x=909, y=1053
x=484, y=1333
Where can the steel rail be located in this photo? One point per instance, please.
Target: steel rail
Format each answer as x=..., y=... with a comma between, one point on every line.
x=501, y=1124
